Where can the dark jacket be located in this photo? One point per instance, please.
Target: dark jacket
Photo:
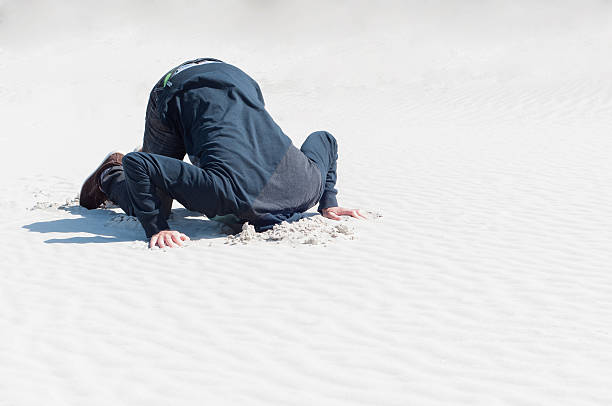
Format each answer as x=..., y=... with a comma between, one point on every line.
x=258, y=174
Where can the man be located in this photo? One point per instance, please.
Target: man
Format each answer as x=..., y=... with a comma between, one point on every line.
x=242, y=163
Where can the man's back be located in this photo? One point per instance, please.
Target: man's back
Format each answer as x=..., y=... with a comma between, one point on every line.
x=219, y=111
x=243, y=163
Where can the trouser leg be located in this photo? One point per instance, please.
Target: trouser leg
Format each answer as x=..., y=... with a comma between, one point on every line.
x=112, y=182
x=114, y=186
x=158, y=138
x=146, y=174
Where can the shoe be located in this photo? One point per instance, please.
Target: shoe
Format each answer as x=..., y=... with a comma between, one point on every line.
x=92, y=196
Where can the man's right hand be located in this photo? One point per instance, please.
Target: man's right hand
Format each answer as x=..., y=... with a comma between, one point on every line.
x=168, y=238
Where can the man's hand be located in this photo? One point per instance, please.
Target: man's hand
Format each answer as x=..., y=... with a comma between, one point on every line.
x=168, y=238
x=334, y=213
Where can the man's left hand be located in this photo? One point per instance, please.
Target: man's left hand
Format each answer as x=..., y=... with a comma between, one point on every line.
x=334, y=213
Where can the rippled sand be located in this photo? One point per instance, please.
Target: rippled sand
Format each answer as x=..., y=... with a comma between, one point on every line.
x=476, y=133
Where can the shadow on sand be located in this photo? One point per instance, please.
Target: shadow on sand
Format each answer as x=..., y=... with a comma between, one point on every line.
x=110, y=226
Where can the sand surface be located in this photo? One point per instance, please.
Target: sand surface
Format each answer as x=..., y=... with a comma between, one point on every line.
x=476, y=134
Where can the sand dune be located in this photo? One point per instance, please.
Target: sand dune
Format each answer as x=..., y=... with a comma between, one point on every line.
x=477, y=135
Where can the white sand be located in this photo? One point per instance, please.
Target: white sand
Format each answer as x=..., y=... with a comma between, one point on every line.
x=479, y=130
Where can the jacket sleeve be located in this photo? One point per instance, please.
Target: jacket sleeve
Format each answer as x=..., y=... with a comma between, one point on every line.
x=147, y=205
x=328, y=199
x=153, y=223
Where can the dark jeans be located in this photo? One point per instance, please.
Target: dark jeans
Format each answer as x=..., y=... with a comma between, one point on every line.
x=159, y=138
x=147, y=182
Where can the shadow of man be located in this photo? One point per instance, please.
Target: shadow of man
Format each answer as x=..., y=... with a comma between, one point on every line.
x=109, y=226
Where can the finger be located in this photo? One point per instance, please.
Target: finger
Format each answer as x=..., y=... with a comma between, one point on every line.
x=333, y=216
x=361, y=215
x=177, y=239
x=184, y=237
x=352, y=212
x=160, y=242
x=153, y=241
x=168, y=240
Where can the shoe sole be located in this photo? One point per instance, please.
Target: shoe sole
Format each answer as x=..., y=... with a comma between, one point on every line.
x=100, y=164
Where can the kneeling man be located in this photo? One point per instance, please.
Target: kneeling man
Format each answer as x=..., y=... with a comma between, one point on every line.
x=242, y=162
